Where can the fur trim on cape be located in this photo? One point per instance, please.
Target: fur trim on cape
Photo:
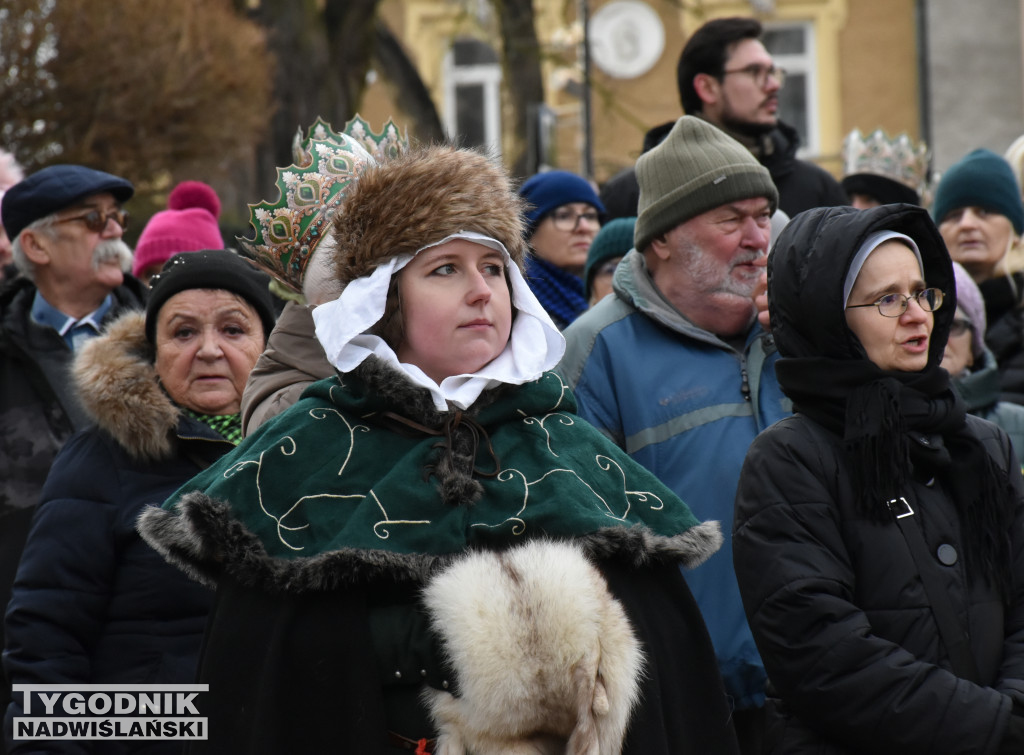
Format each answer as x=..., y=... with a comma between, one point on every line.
x=418, y=198
x=119, y=389
x=202, y=538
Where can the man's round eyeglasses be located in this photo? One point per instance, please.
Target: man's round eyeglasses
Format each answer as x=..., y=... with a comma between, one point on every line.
x=96, y=220
x=568, y=220
x=760, y=73
x=894, y=305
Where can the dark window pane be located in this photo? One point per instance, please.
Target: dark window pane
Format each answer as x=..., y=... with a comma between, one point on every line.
x=469, y=52
x=793, y=104
x=469, y=114
x=784, y=41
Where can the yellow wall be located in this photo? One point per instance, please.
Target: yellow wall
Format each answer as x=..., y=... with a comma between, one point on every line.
x=624, y=109
x=879, y=81
x=865, y=57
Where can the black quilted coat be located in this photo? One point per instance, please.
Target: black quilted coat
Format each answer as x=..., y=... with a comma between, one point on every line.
x=834, y=598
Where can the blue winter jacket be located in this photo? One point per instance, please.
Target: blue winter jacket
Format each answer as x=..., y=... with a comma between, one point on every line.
x=686, y=405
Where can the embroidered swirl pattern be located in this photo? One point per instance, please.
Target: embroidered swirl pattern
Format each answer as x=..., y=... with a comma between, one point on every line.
x=523, y=486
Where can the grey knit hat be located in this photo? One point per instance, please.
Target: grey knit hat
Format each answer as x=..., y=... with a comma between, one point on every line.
x=697, y=168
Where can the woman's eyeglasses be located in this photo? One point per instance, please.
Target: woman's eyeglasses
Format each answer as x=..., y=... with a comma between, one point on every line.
x=566, y=219
x=959, y=326
x=96, y=220
x=894, y=305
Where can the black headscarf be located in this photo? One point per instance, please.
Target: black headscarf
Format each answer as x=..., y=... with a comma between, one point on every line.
x=895, y=425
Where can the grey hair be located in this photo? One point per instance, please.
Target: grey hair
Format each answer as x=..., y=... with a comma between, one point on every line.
x=25, y=266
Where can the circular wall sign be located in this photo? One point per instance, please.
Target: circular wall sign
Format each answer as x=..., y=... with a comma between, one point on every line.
x=626, y=38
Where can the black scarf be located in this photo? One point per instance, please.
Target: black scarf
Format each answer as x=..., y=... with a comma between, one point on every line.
x=882, y=417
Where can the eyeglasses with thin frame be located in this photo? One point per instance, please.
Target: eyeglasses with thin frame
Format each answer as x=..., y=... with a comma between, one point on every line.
x=894, y=305
x=567, y=219
x=959, y=326
x=96, y=220
x=760, y=73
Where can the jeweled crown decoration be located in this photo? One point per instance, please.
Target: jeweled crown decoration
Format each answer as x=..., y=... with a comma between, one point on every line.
x=289, y=230
x=898, y=159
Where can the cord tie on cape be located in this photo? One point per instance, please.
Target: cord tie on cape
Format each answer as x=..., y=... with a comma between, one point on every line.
x=456, y=465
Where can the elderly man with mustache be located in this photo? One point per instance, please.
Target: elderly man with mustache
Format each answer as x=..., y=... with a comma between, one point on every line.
x=65, y=224
x=675, y=368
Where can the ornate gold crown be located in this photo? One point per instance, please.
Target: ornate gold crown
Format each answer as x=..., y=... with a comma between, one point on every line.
x=310, y=191
x=898, y=159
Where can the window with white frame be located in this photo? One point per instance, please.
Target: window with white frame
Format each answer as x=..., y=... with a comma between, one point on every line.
x=472, y=95
x=792, y=47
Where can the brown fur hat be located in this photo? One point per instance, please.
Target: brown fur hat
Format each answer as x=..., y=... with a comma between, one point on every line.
x=418, y=198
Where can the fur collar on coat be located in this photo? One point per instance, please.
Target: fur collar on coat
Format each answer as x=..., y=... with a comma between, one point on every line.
x=118, y=386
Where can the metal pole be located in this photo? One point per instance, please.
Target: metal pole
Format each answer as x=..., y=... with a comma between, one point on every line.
x=588, y=132
x=924, y=82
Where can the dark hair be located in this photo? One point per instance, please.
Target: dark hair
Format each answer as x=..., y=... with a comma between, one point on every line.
x=389, y=327
x=706, y=52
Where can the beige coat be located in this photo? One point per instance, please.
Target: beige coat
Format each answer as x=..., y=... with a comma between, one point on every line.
x=292, y=360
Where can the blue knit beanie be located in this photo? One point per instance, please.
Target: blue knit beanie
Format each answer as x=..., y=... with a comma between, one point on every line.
x=981, y=179
x=548, y=191
x=613, y=240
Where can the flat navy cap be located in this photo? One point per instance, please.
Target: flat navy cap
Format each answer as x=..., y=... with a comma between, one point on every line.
x=51, y=189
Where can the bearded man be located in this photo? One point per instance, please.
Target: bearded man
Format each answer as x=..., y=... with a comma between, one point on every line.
x=675, y=368
x=65, y=224
x=727, y=77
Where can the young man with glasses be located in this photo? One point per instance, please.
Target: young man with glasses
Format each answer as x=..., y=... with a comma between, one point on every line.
x=65, y=224
x=727, y=77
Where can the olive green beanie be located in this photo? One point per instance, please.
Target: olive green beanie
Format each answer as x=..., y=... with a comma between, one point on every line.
x=697, y=168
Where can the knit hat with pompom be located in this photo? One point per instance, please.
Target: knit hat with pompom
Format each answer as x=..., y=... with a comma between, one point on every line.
x=187, y=225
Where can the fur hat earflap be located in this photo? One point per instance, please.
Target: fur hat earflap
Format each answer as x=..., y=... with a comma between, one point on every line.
x=118, y=387
x=401, y=205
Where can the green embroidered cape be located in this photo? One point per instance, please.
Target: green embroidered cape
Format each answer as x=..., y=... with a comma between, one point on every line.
x=361, y=465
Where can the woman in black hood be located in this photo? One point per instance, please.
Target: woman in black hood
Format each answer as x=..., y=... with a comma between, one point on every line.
x=878, y=537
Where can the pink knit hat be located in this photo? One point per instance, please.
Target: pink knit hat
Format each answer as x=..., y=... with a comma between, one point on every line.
x=187, y=225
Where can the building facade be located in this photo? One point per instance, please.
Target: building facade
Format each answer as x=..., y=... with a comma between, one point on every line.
x=945, y=71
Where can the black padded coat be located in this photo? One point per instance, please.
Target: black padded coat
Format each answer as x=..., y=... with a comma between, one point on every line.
x=834, y=597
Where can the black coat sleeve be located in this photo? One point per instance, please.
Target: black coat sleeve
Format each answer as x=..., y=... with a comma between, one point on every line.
x=684, y=708
x=290, y=673
x=64, y=582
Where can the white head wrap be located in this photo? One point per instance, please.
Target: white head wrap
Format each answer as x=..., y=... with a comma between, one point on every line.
x=534, y=346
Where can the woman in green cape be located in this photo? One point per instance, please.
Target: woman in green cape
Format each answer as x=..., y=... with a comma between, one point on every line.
x=430, y=551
